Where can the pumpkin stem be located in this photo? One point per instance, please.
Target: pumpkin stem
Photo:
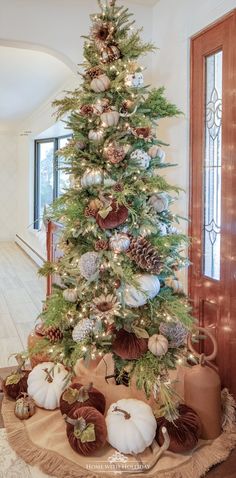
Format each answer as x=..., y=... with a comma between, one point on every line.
x=49, y=377
x=126, y=414
x=83, y=394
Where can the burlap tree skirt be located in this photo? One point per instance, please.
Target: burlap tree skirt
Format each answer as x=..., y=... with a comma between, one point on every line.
x=41, y=441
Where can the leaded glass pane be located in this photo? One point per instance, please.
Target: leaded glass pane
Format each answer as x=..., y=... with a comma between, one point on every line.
x=212, y=167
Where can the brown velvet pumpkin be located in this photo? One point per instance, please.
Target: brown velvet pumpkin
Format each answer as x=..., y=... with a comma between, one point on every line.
x=184, y=432
x=86, y=430
x=16, y=383
x=129, y=347
x=78, y=395
x=115, y=217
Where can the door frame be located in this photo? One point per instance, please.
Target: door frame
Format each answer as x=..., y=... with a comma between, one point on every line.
x=195, y=206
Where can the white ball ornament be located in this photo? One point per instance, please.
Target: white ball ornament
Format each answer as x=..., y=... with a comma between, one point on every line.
x=70, y=295
x=131, y=426
x=159, y=202
x=46, y=383
x=91, y=177
x=134, y=80
x=119, y=242
x=149, y=287
x=141, y=158
x=158, y=345
x=89, y=265
x=100, y=84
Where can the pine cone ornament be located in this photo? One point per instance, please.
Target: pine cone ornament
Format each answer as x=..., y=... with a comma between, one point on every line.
x=54, y=334
x=118, y=187
x=89, y=212
x=94, y=72
x=82, y=330
x=175, y=332
x=86, y=110
x=115, y=153
x=145, y=255
x=101, y=245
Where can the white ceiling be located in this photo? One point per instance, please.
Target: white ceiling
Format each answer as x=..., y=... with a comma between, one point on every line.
x=28, y=78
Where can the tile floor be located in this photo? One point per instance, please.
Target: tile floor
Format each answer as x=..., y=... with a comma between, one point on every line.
x=21, y=295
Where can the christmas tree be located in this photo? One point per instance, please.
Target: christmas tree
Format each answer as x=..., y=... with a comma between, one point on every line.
x=119, y=293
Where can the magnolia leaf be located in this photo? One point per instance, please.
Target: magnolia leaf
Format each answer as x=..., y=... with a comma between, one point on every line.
x=140, y=333
x=13, y=379
x=70, y=395
x=85, y=435
x=104, y=212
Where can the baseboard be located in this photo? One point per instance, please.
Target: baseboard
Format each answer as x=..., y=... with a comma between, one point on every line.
x=34, y=255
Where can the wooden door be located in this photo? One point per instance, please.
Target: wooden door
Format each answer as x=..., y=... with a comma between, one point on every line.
x=212, y=277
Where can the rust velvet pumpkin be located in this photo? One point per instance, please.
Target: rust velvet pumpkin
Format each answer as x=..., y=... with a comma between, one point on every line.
x=184, y=432
x=117, y=216
x=16, y=383
x=78, y=395
x=86, y=430
x=129, y=347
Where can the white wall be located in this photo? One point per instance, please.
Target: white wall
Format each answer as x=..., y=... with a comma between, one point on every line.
x=174, y=22
x=8, y=184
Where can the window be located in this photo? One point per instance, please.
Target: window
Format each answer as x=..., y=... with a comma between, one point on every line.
x=50, y=179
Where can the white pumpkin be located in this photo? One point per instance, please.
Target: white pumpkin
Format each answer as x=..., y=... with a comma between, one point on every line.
x=110, y=118
x=119, y=242
x=91, y=177
x=70, y=295
x=131, y=426
x=159, y=202
x=149, y=287
x=95, y=135
x=175, y=284
x=141, y=158
x=157, y=152
x=158, y=345
x=100, y=84
x=46, y=383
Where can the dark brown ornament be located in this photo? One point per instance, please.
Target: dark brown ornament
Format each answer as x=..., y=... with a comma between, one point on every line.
x=117, y=216
x=86, y=430
x=54, y=334
x=94, y=72
x=127, y=106
x=110, y=53
x=145, y=255
x=101, y=245
x=78, y=395
x=117, y=283
x=86, y=110
x=16, y=383
x=114, y=153
x=129, y=347
x=184, y=432
x=144, y=132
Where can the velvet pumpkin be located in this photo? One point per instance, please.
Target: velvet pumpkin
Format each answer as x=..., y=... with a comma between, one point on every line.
x=77, y=396
x=114, y=218
x=16, y=383
x=86, y=430
x=184, y=432
x=129, y=347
